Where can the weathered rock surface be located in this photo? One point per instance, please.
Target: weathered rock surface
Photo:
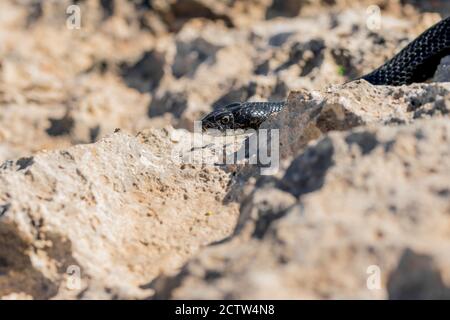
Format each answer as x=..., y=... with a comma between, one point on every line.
x=353, y=203
x=266, y=60
x=443, y=71
x=122, y=210
x=140, y=64
x=363, y=184
x=308, y=115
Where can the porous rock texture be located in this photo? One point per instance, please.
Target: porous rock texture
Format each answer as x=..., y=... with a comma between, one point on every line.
x=443, y=72
x=140, y=64
x=372, y=197
x=310, y=114
x=122, y=211
x=358, y=208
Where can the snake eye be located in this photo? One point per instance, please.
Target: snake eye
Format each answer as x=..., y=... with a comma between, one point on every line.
x=225, y=119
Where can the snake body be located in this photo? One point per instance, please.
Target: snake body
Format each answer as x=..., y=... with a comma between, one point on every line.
x=417, y=62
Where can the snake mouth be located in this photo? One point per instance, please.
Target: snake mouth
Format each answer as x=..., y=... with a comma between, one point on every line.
x=206, y=125
x=210, y=125
x=218, y=120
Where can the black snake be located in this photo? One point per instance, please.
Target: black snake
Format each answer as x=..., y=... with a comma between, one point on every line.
x=417, y=62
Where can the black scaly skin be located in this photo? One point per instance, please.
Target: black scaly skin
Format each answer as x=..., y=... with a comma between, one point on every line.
x=417, y=62
x=241, y=115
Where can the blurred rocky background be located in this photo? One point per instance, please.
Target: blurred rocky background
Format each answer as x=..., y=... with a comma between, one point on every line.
x=90, y=116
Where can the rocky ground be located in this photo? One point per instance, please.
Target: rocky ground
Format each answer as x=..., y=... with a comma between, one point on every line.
x=96, y=203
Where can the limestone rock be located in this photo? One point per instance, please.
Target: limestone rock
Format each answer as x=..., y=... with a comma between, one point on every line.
x=372, y=204
x=362, y=186
x=117, y=213
x=443, y=71
x=309, y=115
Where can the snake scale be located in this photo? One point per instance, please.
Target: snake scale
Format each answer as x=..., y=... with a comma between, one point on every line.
x=417, y=62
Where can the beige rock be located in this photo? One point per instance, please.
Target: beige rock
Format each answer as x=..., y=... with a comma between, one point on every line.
x=308, y=115
x=52, y=90
x=123, y=69
x=124, y=210
x=118, y=212
x=443, y=71
x=372, y=202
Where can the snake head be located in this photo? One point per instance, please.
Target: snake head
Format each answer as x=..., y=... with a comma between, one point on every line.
x=239, y=115
x=222, y=118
